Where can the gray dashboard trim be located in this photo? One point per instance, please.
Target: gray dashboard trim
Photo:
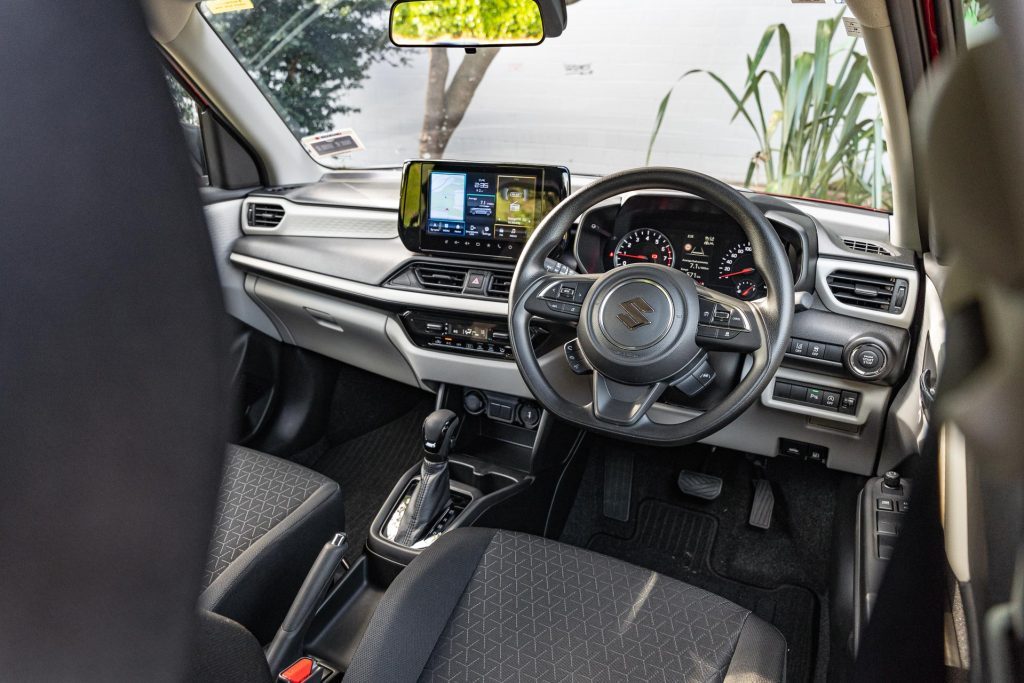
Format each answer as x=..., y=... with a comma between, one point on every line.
x=372, y=292
x=308, y=220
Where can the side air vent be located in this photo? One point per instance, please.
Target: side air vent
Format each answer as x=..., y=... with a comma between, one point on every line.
x=864, y=290
x=501, y=285
x=866, y=247
x=450, y=279
x=265, y=215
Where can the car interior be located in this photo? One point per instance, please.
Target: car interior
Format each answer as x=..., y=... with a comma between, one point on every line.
x=284, y=401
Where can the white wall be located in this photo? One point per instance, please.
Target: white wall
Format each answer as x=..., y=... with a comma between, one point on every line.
x=588, y=99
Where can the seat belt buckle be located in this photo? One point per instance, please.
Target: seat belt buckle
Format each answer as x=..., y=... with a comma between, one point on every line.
x=305, y=670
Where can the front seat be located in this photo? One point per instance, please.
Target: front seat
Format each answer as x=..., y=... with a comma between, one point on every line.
x=272, y=518
x=489, y=605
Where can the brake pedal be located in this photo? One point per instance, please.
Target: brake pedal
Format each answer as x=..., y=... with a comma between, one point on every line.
x=700, y=485
x=764, y=503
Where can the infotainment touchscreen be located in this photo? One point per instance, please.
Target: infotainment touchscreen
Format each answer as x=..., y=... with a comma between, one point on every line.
x=487, y=210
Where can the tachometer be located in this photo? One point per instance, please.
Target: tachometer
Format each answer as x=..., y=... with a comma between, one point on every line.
x=644, y=245
x=738, y=274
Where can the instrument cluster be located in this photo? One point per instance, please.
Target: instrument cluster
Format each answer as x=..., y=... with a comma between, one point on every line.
x=673, y=231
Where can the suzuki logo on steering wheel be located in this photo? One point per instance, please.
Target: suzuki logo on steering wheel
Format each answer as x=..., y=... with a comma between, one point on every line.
x=634, y=317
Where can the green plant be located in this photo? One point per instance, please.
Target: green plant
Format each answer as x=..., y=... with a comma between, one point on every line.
x=815, y=144
x=977, y=11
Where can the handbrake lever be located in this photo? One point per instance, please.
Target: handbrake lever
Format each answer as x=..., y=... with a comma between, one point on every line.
x=286, y=646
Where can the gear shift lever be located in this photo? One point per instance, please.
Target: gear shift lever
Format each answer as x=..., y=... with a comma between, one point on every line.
x=433, y=492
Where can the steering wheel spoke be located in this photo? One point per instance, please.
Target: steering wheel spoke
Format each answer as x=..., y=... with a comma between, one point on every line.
x=623, y=404
x=560, y=297
x=728, y=324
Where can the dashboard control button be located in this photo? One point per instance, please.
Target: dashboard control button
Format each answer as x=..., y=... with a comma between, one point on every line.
x=782, y=389
x=830, y=399
x=814, y=395
x=798, y=393
x=848, y=402
x=476, y=280
x=798, y=347
x=815, y=350
x=834, y=353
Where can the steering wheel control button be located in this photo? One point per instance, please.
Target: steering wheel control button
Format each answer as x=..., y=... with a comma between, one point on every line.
x=697, y=379
x=575, y=358
x=707, y=311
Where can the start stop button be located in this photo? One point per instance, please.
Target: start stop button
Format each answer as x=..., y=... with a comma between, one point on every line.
x=867, y=360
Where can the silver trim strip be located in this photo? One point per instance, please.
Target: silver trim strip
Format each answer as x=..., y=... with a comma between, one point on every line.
x=307, y=220
x=373, y=292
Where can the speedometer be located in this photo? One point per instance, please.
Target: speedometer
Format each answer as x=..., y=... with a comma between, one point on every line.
x=644, y=245
x=738, y=274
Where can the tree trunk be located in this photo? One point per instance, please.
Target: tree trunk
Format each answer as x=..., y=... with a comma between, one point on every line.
x=447, y=106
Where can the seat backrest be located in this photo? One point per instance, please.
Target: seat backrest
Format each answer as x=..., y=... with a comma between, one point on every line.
x=111, y=429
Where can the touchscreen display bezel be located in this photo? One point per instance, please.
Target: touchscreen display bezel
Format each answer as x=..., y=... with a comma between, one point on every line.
x=503, y=239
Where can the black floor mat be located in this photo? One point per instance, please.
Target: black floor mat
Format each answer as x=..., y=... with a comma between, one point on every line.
x=780, y=574
x=368, y=466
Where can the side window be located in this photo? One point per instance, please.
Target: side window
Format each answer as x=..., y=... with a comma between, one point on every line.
x=188, y=117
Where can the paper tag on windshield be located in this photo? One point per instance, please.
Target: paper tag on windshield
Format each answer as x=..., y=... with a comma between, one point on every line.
x=222, y=6
x=852, y=27
x=335, y=143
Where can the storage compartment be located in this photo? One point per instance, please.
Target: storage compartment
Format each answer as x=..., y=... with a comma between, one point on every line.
x=339, y=329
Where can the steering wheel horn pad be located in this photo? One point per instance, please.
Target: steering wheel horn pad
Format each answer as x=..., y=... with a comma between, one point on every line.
x=639, y=324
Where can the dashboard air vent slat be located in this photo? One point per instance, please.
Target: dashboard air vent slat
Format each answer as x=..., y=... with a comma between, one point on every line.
x=865, y=247
x=864, y=290
x=441, y=278
x=501, y=285
x=265, y=215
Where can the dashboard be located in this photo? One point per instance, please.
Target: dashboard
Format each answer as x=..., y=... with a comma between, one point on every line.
x=679, y=232
x=407, y=274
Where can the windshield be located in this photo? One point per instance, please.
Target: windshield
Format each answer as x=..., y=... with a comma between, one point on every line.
x=760, y=93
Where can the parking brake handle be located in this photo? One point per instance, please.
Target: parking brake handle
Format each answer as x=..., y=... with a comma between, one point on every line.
x=286, y=646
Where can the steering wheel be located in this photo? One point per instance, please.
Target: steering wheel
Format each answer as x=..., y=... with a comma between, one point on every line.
x=645, y=327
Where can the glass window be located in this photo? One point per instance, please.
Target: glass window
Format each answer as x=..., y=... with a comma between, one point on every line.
x=766, y=94
x=188, y=117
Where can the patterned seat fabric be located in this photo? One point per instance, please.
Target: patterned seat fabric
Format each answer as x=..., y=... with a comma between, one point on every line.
x=272, y=518
x=532, y=609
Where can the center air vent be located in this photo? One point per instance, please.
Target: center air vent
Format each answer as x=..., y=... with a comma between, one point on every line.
x=264, y=215
x=450, y=278
x=866, y=247
x=864, y=290
x=501, y=284
x=441, y=278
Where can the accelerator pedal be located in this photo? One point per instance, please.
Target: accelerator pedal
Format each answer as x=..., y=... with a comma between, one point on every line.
x=764, y=503
x=700, y=485
x=618, y=486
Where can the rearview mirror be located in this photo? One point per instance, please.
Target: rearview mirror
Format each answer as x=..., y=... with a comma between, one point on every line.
x=458, y=23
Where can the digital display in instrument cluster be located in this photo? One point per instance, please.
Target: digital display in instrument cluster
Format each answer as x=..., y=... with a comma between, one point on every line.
x=696, y=251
